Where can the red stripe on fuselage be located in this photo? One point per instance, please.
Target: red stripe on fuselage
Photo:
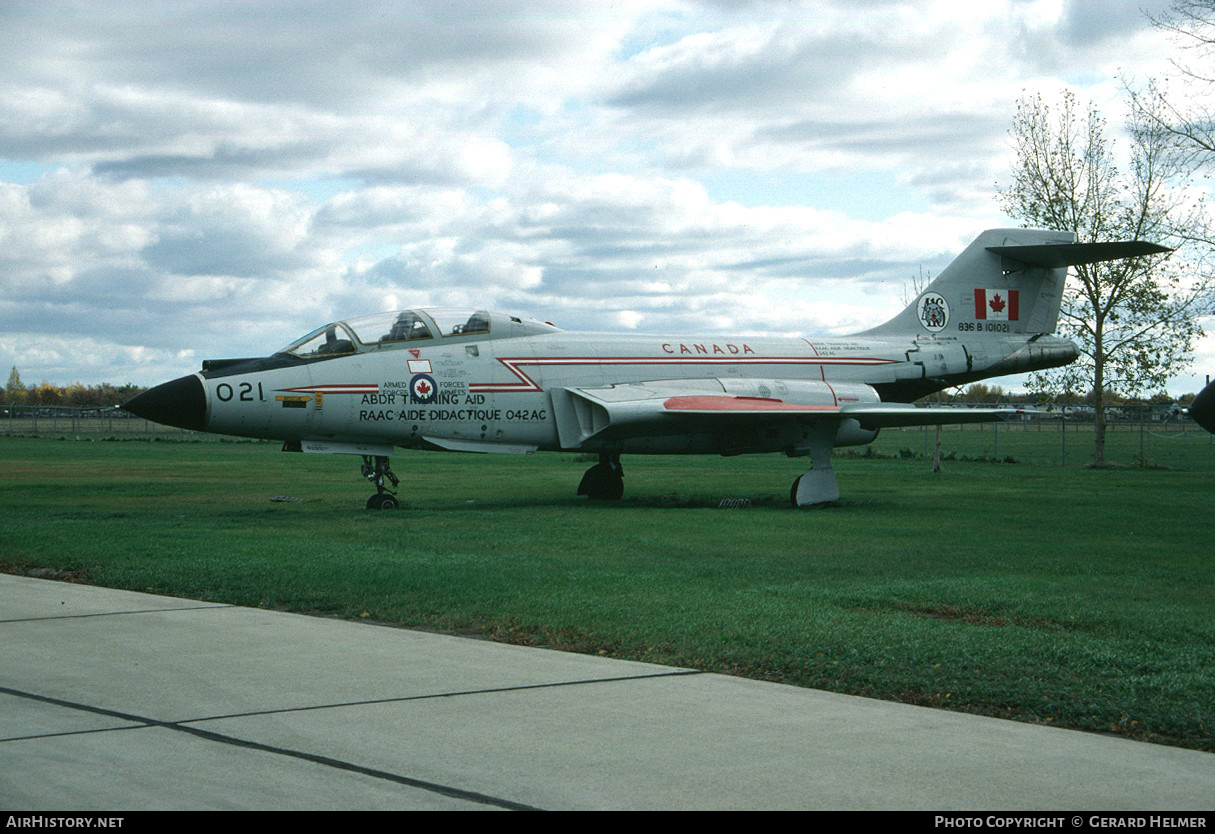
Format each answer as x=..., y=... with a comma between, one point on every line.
x=336, y=388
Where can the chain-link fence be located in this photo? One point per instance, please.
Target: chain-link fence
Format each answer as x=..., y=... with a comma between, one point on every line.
x=66, y=421
x=1145, y=436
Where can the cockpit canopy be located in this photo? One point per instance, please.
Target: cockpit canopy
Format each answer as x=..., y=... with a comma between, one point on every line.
x=411, y=328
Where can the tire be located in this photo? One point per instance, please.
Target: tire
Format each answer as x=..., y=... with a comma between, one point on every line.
x=601, y=483
x=383, y=501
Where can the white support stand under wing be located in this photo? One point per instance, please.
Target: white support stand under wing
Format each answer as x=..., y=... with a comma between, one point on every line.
x=818, y=484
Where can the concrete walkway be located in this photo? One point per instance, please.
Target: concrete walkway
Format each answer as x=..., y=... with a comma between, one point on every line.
x=119, y=701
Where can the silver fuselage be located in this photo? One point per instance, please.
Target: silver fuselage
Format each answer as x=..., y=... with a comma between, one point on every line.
x=504, y=394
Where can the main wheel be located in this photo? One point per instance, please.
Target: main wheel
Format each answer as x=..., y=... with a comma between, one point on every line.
x=793, y=491
x=601, y=483
x=383, y=501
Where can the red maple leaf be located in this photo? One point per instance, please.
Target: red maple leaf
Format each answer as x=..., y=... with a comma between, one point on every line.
x=423, y=388
x=996, y=303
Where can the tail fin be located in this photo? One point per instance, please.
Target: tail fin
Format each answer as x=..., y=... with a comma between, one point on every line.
x=1006, y=281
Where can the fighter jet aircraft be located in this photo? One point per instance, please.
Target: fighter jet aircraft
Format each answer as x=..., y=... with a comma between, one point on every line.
x=478, y=381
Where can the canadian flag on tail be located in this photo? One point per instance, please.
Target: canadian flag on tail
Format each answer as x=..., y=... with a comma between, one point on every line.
x=997, y=305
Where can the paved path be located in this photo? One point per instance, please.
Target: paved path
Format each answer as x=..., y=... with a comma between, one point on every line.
x=119, y=701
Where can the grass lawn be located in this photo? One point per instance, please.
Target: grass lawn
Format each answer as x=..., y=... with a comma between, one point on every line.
x=1060, y=595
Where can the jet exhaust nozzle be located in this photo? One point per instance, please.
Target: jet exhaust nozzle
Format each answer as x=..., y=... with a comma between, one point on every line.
x=181, y=403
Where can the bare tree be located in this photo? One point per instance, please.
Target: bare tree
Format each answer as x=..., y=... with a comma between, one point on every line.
x=1135, y=321
x=1187, y=118
x=915, y=286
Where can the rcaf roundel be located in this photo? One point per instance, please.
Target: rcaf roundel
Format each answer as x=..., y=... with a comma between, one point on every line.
x=423, y=388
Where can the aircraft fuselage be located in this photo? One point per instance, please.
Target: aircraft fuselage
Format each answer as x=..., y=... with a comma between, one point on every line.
x=505, y=394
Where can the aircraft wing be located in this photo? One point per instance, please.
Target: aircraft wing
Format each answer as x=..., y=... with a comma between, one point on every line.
x=679, y=406
x=893, y=415
x=869, y=415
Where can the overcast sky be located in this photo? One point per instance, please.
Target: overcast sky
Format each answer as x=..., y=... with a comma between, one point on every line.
x=181, y=180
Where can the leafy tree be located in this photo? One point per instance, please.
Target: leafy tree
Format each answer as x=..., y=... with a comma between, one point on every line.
x=14, y=391
x=47, y=394
x=978, y=392
x=1136, y=320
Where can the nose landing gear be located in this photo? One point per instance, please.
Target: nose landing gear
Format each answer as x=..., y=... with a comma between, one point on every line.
x=375, y=469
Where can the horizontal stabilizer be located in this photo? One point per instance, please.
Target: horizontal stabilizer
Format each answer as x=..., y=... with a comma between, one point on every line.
x=1059, y=255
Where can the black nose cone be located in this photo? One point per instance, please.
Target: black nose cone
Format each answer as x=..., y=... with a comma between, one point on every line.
x=1203, y=408
x=181, y=403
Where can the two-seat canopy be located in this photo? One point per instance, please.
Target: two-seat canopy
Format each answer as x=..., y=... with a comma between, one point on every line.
x=411, y=328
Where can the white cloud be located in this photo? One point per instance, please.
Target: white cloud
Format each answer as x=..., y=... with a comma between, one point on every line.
x=250, y=174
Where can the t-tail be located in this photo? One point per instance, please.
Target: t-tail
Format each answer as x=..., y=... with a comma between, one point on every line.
x=1007, y=282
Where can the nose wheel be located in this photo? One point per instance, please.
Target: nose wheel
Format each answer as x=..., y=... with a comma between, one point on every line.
x=376, y=470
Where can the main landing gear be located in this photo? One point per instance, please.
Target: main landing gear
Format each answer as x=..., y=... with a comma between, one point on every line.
x=817, y=486
x=605, y=480
x=375, y=469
